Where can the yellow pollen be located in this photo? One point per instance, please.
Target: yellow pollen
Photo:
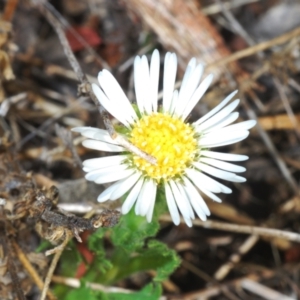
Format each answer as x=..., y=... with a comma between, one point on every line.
x=171, y=141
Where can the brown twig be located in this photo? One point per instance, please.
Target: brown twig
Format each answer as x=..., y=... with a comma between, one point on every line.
x=234, y=258
x=58, y=253
x=272, y=149
x=75, y=283
x=262, y=290
x=213, y=291
x=66, y=25
x=86, y=87
x=66, y=138
x=255, y=230
x=30, y=269
x=254, y=49
x=280, y=88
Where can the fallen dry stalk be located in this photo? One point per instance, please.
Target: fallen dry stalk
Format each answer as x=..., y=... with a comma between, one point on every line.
x=254, y=230
x=217, y=289
x=236, y=257
x=254, y=49
x=58, y=253
x=31, y=270
x=75, y=283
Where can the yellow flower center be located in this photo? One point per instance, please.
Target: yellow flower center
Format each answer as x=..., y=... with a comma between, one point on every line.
x=171, y=141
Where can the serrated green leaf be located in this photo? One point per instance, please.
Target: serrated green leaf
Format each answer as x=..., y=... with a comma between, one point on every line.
x=132, y=231
x=153, y=256
x=95, y=237
x=100, y=263
x=170, y=258
x=134, y=252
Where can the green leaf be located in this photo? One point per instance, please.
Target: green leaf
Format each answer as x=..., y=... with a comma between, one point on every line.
x=70, y=260
x=132, y=231
x=85, y=293
x=43, y=246
x=149, y=292
x=153, y=256
x=100, y=263
x=135, y=251
x=168, y=256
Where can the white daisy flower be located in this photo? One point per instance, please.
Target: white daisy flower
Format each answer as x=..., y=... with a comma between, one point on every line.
x=184, y=159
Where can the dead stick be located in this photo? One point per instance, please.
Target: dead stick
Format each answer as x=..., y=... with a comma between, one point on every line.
x=260, y=231
x=58, y=252
x=30, y=269
x=213, y=291
x=75, y=283
x=235, y=258
x=259, y=47
x=87, y=87
x=66, y=25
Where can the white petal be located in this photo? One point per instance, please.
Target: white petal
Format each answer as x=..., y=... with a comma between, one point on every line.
x=138, y=84
x=125, y=186
x=194, y=194
x=188, y=222
x=186, y=199
x=144, y=199
x=93, y=175
x=131, y=198
x=246, y=125
x=224, y=189
x=145, y=81
x=218, y=173
x=95, y=133
x=82, y=128
x=152, y=201
x=102, y=162
x=219, y=116
x=189, y=70
x=169, y=80
x=174, y=101
x=200, y=91
x=210, y=194
x=201, y=180
x=224, y=156
x=224, y=122
x=115, y=93
x=240, y=179
x=216, y=109
x=154, y=78
x=223, y=165
x=194, y=203
x=102, y=146
x=232, y=129
x=218, y=139
x=232, y=141
x=104, y=178
x=105, y=195
x=172, y=205
x=181, y=200
x=110, y=107
x=191, y=85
